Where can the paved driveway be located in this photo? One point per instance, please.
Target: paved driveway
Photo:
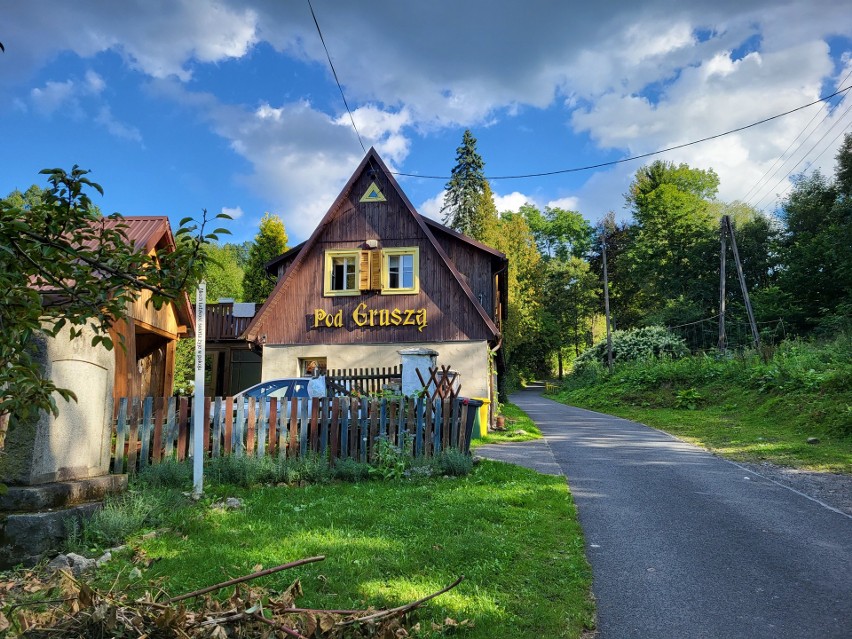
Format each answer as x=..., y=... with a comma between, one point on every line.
x=685, y=545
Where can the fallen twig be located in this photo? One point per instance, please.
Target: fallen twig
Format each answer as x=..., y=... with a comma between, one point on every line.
x=287, y=631
x=239, y=580
x=401, y=610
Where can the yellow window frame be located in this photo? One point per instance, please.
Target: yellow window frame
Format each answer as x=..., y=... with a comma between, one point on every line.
x=387, y=253
x=329, y=269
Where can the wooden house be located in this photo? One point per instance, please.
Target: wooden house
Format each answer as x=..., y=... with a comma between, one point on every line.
x=234, y=365
x=376, y=277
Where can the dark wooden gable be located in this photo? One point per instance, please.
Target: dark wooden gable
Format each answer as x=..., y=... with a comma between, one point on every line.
x=453, y=311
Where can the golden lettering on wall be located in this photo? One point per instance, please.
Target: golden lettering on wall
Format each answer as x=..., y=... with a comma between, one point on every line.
x=362, y=317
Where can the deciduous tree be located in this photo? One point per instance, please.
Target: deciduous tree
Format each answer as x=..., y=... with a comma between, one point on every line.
x=64, y=265
x=269, y=243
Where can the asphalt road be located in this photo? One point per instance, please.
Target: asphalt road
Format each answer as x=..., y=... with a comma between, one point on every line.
x=685, y=545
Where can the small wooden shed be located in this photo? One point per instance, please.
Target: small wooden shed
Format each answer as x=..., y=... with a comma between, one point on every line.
x=146, y=366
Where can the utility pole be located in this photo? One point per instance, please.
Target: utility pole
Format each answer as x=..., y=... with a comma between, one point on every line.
x=755, y=335
x=606, y=305
x=723, y=338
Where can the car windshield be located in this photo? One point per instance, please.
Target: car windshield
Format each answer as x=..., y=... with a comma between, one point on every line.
x=279, y=389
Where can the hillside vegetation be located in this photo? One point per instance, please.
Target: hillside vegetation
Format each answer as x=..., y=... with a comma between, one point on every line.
x=745, y=407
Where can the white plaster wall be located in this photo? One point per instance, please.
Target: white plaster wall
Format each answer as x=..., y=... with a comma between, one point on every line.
x=75, y=443
x=470, y=359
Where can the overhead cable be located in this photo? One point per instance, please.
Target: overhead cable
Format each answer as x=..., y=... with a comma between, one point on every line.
x=636, y=157
x=331, y=64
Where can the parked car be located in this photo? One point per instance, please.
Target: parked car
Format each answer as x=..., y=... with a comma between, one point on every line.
x=284, y=388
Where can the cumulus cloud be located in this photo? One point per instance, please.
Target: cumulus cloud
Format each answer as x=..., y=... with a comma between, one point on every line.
x=52, y=96
x=234, y=213
x=116, y=128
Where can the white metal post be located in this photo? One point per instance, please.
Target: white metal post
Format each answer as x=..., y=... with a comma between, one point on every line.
x=198, y=397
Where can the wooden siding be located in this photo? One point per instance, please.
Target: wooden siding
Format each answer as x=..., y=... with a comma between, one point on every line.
x=450, y=314
x=474, y=266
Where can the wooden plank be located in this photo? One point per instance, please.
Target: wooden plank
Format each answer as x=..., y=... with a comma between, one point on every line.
x=355, y=429
x=383, y=418
x=428, y=428
x=250, y=426
x=229, y=425
x=325, y=407
x=393, y=409
x=133, y=437
x=182, y=428
x=273, y=425
x=454, y=423
x=439, y=426
x=344, y=427
x=216, y=449
x=171, y=428
x=282, y=428
x=293, y=439
x=418, y=433
x=374, y=429
x=262, y=425
x=120, y=434
x=363, y=430
x=147, y=427
x=303, y=426
x=462, y=443
x=159, y=404
x=206, y=447
x=334, y=428
x=446, y=426
x=314, y=426
x=239, y=428
x=400, y=424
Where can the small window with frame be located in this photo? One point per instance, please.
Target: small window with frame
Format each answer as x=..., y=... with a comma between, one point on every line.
x=401, y=270
x=341, y=273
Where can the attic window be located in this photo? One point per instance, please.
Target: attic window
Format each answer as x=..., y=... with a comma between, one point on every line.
x=341, y=272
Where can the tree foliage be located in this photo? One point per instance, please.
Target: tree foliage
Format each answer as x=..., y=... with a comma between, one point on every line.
x=63, y=266
x=463, y=200
x=269, y=243
x=558, y=233
x=223, y=273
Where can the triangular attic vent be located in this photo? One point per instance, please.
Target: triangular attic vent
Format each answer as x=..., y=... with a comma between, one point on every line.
x=373, y=194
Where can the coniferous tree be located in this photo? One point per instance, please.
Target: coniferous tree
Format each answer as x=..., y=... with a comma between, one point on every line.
x=269, y=243
x=463, y=197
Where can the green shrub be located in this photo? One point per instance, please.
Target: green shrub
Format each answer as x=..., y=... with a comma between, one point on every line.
x=167, y=474
x=351, y=470
x=651, y=342
x=453, y=462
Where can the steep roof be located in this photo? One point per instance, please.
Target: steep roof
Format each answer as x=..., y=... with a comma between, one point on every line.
x=371, y=161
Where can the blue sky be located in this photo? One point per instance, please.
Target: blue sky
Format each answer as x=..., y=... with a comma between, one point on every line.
x=231, y=106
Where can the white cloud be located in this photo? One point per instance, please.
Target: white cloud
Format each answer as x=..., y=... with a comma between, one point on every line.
x=566, y=203
x=52, y=97
x=116, y=128
x=512, y=201
x=94, y=83
x=235, y=213
x=432, y=207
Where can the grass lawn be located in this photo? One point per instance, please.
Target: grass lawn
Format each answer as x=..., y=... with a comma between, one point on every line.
x=738, y=423
x=511, y=532
x=516, y=420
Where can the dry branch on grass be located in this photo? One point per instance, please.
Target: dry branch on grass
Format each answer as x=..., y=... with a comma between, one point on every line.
x=81, y=612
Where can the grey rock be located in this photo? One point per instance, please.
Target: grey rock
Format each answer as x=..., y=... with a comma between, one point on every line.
x=813, y=440
x=60, y=562
x=80, y=564
x=100, y=561
x=233, y=502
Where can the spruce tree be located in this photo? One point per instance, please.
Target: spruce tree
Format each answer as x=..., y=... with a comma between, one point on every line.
x=269, y=243
x=463, y=198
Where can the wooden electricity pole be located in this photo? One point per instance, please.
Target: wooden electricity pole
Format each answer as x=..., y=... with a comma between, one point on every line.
x=606, y=307
x=726, y=220
x=723, y=338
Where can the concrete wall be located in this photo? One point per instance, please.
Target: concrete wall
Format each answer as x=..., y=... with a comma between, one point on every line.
x=74, y=444
x=470, y=359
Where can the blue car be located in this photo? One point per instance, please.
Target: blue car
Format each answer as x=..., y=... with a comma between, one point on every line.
x=285, y=388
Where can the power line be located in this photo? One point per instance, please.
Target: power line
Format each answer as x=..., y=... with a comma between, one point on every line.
x=781, y=181
x=331, y=64
x=636, y=157
x=755, y=191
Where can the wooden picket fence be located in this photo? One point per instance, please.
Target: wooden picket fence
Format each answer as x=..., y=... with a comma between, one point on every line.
x=157, y=429
x=362, y=380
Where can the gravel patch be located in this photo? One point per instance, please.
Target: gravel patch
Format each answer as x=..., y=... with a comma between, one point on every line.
x=830, y=488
